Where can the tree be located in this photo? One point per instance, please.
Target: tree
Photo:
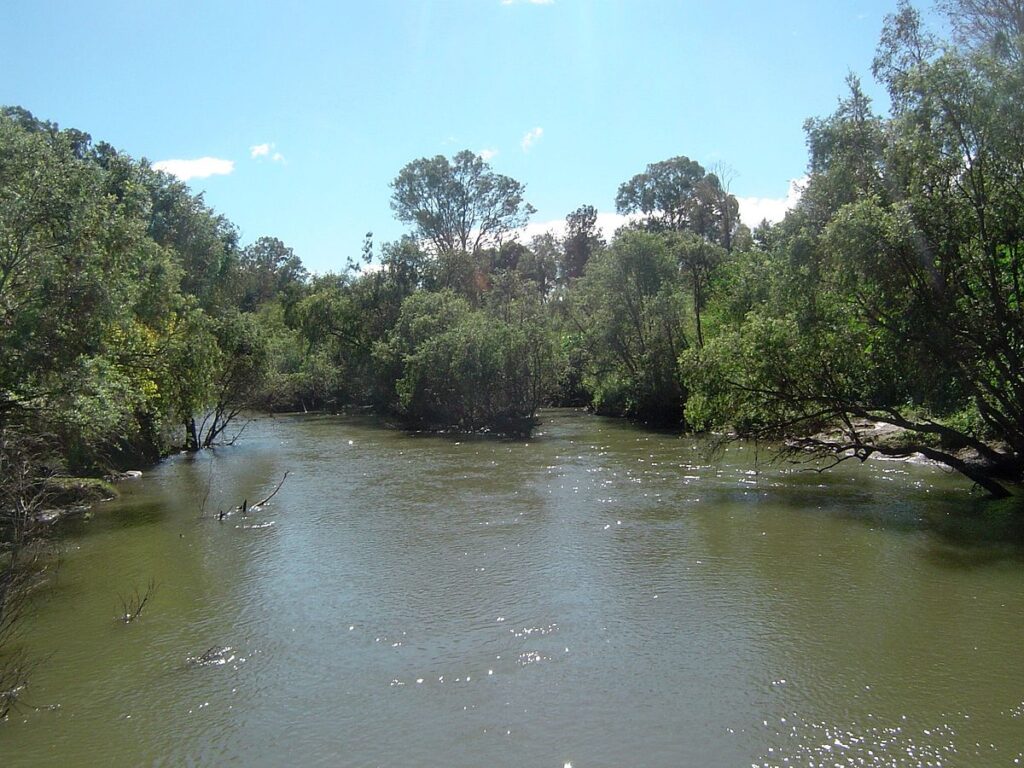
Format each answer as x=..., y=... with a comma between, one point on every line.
x=629, y=310
x=846, y=155
x=994, y=26
x=220, y=364
x=455, y=366
x=268, y=267
x=698, y=260
x=540, y=263
x=897, y=294
x=582, y=240
x=458, y=206
x=679, y=195
x=204, y=242
x=507, y=257
x=338, y=321
x=87, y=300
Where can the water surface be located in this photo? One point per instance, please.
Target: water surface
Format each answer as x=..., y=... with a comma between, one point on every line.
x=596, y=596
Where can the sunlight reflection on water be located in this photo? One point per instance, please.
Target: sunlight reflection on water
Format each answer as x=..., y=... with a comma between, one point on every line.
x=597, y=593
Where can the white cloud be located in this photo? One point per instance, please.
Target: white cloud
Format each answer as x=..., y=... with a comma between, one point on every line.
x=754, y=210
x=264, y=150
x=556, y=227
x=530, y=138
x=487, y=154
x=200, y=168
x=607, y=223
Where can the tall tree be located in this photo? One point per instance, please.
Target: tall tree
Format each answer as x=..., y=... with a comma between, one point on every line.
x=205, y=242
x=994, y=26
x=268, y=267
x=540, y=263
x=697, y=259
x=582, y=240
x=679, y=194
x=629, y=310
x=458, y=205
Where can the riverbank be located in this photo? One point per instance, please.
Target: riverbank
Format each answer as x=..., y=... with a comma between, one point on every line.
x=989, y=464
x=62, y=497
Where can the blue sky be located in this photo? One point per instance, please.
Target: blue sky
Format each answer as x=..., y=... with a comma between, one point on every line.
x=314, y=107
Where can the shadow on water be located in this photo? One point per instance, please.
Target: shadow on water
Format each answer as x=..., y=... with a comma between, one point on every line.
x=107, y=515
x=963, y=530
x=980, y=533
x=453, y=436
x=524, y=431
x=966, y=528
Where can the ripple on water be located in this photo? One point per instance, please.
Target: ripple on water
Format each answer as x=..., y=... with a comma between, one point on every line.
x=799, y=742
x=498, y=599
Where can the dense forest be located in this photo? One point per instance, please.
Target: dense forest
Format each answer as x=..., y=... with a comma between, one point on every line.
x=133, y=322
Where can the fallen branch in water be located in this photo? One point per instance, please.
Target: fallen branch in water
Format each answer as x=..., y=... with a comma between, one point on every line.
x=245, y=507
x=272, y=494
x=132, y=605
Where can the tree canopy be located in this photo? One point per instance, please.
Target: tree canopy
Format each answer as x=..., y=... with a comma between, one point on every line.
x=458, y=205
x=894, y=294
x=678, y=194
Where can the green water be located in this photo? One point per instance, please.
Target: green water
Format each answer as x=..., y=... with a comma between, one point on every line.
x=596, y=596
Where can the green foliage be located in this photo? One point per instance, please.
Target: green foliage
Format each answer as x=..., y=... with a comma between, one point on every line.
x=458, y=205
x=679, y=195
x=630, y=308
x=893, y=292
x=204, y=242
x=470, y=369
x=268, y=268
x=84, y=297
x=342, y=319
x=118, y=290
x=539, y=264
x=769, y=374
x=582, y=241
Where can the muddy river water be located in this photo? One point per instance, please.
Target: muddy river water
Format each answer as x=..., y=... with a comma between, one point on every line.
x=598, y=595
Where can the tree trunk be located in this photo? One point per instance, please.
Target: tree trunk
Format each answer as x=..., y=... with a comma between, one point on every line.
x=191, y=436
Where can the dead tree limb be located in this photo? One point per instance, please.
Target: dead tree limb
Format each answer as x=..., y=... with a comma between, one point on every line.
x=272, y=494
x=132, y=604
x=245, y=506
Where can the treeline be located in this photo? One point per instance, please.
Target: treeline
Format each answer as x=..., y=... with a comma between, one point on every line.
x=127, y=322
x=132, y=321
x=883, y=315
x=461, y=325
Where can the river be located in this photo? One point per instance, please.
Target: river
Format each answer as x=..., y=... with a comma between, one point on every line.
x=598, y=595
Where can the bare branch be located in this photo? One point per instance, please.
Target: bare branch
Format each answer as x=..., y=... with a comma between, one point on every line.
x=272, y=495
x=133, y=603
